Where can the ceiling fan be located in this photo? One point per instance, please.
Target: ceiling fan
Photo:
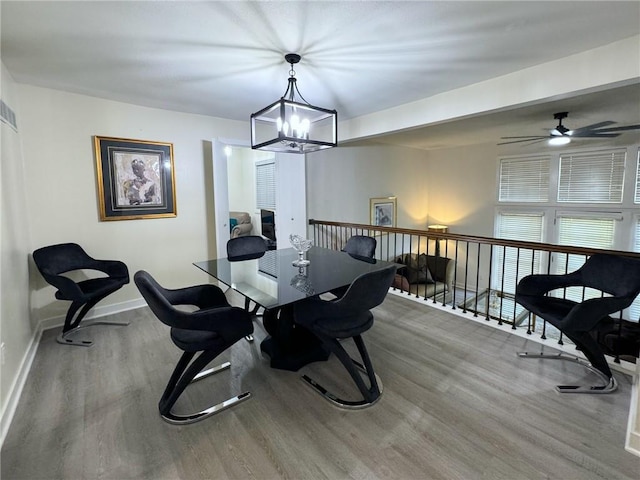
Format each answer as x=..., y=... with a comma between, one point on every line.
x=561, y=135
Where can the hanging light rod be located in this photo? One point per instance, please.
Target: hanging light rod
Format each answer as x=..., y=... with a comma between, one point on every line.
x=292, y=124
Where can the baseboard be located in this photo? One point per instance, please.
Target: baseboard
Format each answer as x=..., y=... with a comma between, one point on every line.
x=15, y=390
x=96, y=312
x=25, y=367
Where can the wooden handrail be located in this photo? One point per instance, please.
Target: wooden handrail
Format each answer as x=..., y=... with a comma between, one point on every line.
x=547, y=247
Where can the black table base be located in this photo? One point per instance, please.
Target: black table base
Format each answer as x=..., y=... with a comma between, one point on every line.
x=289, y=346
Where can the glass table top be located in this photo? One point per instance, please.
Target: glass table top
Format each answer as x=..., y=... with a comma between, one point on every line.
x=272, y=281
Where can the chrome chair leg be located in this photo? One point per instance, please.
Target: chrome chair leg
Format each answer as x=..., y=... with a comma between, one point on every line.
x=610, y=384
x=341, y=403
x=180, y=381
x=65, y=338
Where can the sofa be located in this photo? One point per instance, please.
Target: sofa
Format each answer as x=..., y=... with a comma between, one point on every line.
x=426, y=276
x=240, y=224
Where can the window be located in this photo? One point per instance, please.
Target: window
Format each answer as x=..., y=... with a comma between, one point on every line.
x=266, y=184
x=637, y=197
x=511, y=264
x=634, y=309
x=524, y=180
x=592, y=177
x=576, y=190
x=583, y=230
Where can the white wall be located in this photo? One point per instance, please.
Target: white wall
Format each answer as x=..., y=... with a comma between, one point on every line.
x=462, y=188
x=16, y=332
x=340, y=182
x=58, y=128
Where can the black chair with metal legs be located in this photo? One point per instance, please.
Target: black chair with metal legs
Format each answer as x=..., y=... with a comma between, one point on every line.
x=55, y=260
x=211, y=330
x=618, y=278
x=348, y=317
x=358, y=246
x=246, y=248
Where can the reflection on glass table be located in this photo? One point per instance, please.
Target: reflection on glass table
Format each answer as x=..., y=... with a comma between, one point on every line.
x=497, y=305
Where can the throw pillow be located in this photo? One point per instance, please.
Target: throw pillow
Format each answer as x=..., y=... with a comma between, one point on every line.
x=401, y=282
x=416, y=269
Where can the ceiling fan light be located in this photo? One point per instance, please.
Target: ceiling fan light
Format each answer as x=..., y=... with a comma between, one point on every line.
x=555, y=141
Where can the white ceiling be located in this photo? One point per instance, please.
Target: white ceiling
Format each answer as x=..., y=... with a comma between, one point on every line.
x=225, y=59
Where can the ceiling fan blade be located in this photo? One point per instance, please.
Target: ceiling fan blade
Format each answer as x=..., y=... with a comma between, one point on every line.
x=532, y=137
x=618, y=129
x=526, y=139
x=593, y=126
x=595, y=134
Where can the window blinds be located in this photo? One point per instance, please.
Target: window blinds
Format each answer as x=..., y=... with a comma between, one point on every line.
x=266, y=185
x=592, y=177
x=511, y=264
x=524, y=180
x=637, y=197
x=634, y=309
x=585, y=231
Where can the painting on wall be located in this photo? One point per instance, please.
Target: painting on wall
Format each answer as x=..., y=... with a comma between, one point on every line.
x=383, y=211
x=135, y=179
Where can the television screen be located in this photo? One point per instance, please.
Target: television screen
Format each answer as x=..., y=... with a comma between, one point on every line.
x=268, y=219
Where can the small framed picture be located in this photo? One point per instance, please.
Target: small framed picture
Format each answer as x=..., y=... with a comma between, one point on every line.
x=135, y=179
x=383, y=211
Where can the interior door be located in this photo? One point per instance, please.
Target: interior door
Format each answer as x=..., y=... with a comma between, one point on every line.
x=221, y=197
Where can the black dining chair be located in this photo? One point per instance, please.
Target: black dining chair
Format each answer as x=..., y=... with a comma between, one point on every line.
x=210, y=330
x=359, y=246
x=56, y=264
x=348, y=317
x=618, y=280
x=248, y=247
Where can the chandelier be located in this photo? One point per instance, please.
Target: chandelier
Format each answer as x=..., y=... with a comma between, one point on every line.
x=291, y=124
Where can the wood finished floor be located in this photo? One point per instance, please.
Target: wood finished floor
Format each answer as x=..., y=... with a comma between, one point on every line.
x=457, y=404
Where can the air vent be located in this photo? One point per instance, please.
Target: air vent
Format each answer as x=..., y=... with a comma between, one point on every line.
x=7, y=115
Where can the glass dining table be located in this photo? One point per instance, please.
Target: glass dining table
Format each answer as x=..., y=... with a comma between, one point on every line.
x=273, y=282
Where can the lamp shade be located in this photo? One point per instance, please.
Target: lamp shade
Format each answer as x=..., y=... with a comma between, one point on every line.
x=437, y=228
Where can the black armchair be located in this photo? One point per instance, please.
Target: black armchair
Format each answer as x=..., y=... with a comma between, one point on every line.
x=617, y=277
x=212, y=329
x=348, y=317
x=55, y=260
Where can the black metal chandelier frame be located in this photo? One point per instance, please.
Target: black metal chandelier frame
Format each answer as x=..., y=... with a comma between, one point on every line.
x=279, y=127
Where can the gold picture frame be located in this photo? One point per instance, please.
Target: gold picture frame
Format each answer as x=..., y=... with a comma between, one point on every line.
x=136, y=179
x=383, y=211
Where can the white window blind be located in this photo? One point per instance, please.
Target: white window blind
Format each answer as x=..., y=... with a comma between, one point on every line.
x=266, y=184
x=511, y=264
x=637, y=196
x=634, y=309
x=595, y=231
x=595, y=177
x=524, y=180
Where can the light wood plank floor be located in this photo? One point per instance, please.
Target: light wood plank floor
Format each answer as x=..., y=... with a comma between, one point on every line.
x=457, y=404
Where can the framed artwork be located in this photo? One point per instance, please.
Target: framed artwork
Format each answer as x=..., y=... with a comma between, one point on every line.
x=383, y=211
x=135, y=179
